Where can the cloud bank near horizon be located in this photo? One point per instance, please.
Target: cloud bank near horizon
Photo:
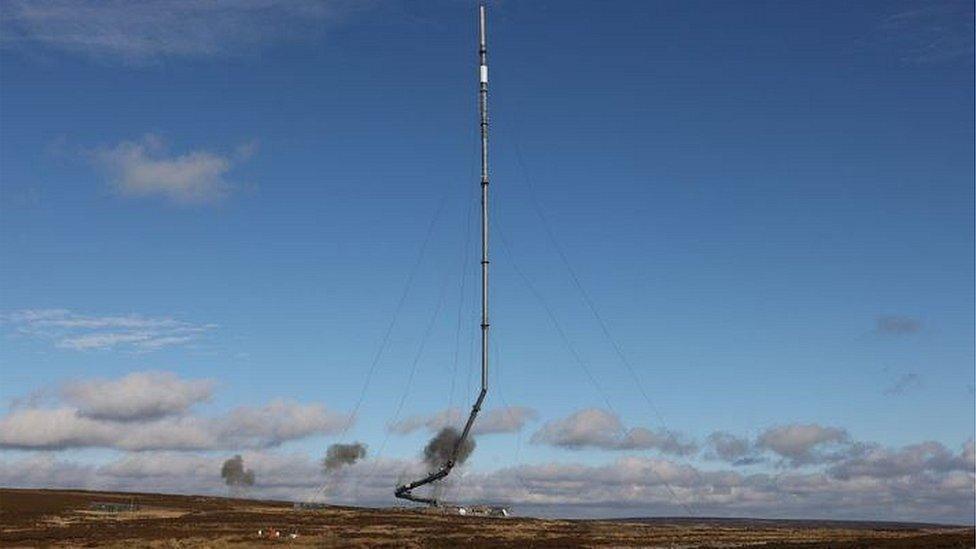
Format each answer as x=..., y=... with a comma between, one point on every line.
x=895, y=486
x=159, y=443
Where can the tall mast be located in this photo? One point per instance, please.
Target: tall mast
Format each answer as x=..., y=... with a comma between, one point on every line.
x=405, y=491
x=483, y=110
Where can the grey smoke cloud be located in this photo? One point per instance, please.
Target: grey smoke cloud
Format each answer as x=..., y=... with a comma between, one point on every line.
x=595, y=428
x=440, y=448
x=234, y=473
x=339, y=455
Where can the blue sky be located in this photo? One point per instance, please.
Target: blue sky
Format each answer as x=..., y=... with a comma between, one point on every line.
x=770, y=204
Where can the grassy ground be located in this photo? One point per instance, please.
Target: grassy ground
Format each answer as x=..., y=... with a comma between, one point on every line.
x=66, y=518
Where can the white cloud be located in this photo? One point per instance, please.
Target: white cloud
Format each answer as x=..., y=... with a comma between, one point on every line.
x=662, y=440
x=137, y=396
x=904, y=384
x=148, y=411
x=926, y=457
x=595, y=428
x=144, y=168
x=64, y=318
x=245, y=427
x=53, y=428
x=508, y=419
x=158, y=465
x=897, y=325
x=733, y=449
x=430, y=422
x=585, y=428
x=930, y=32
x=147, y=30
x=804, y=444
x=278, y=422
x=174, y=433
x=46, y=470
x=76, y=331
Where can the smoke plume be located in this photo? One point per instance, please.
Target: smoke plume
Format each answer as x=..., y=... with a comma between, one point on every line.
x=235, y=475
x=339, y=455
x=439, y=449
